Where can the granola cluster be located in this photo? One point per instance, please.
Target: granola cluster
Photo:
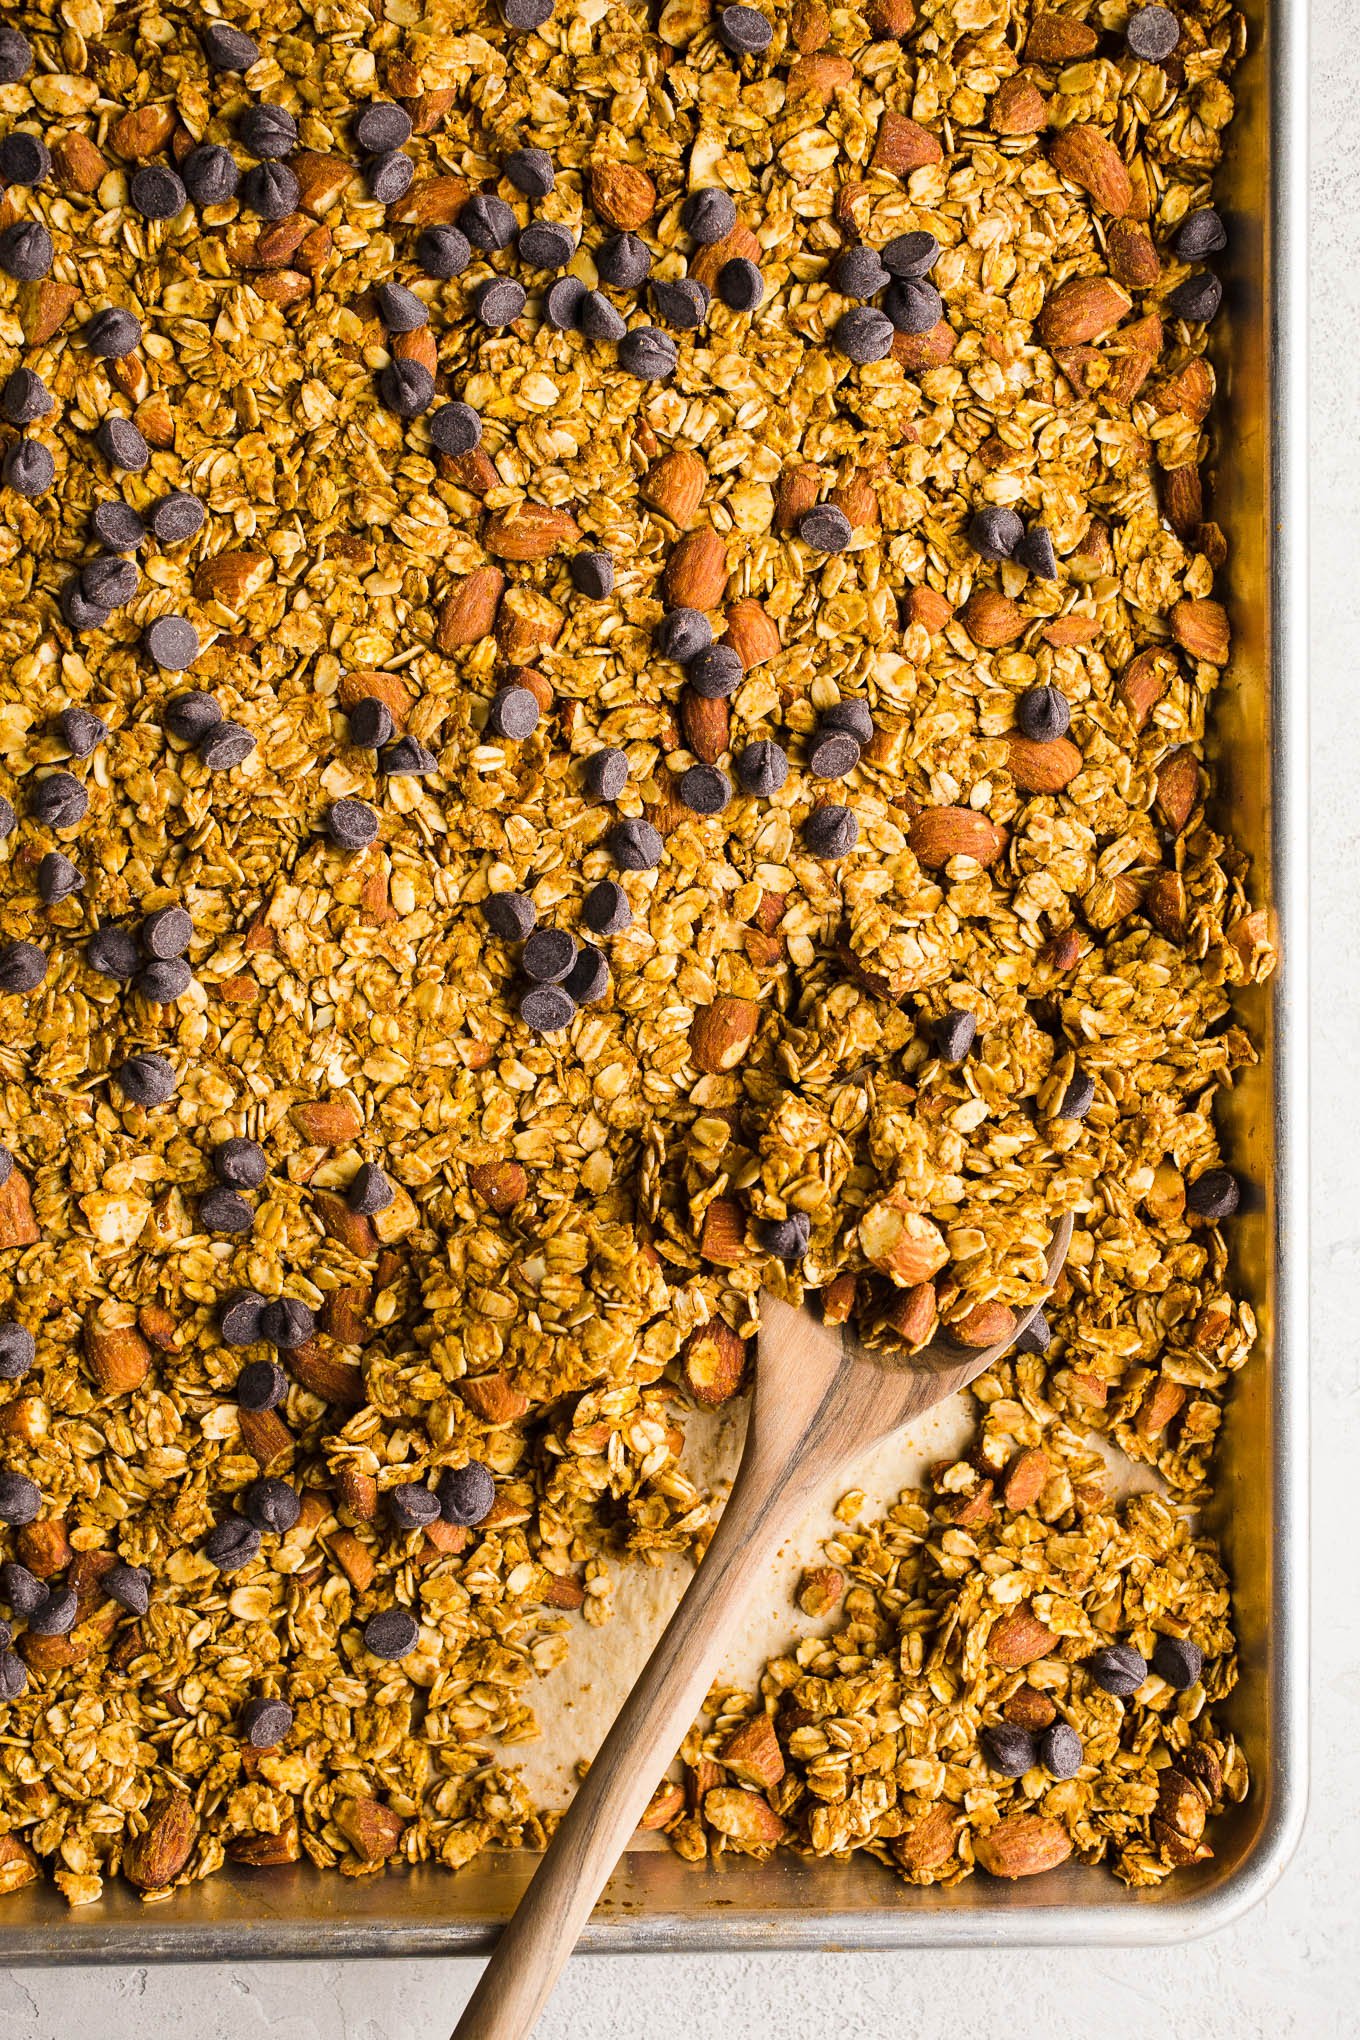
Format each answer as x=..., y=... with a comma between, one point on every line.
x=758, y=1083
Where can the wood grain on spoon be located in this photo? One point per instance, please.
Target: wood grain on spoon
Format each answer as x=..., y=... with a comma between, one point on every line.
x=820, y=1402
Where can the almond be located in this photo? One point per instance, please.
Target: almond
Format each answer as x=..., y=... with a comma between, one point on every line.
x=321, y=179
x=1029, y=1708
x=1057, y=38
x=712, y=1363
x=706, y=725
x=264, y=1851
x=26, y=1418
x=1018, y=107
x=991, y=619
x=468, y=612
x=696, y=572
x=371, y=1829
x=1026, y=1479
x=751, y=631
x=1131, y=358
x=527, y=624
x=117, y=1355
x=706, y=263
x=903, y=145
x=986, y=1324
x=723, y=1237
x=1134, y=261
x=1023, y=1845
x=820, y=1589
x=1165, y=906
x=666, y=1804
x=435, y=202
x=493, y=1398
x=1086, y=308
x=622, y=195
x=18, y=1865
x=418, y=345
x=447, y=1538
x=721, y=1033
x=154, y=1858
x=530, y=531
x=350, y=1228
x=809, y=25
x=1157, y=1410
x=44, y=1547
x=388, y=688
x=18, y=1226
x=502, y=1185
x=890, y=19
x=838, y=1300
x=141, y=134
x=938, y=834
x=912, y=1315
x=970, y=1511
x=1144, y=681
x=1183, y=500
x=1075, y=628
x=231, y=578
x=1045, y=767
x=752, y=1753
x=675, y=484
x=1178, y=787
x=265, y=1436
x=1189, y=392
x=561, y=1591
x=1064, y=951
x=331, y=1380
x=155, y=424
x=927, y=1843
x=277, y=244
x=282, y=287
x=78, y=163
x=1019, y=1639
x=43, y=308
x=747, y=1820
x=1201, y=628
x=358, y=1492
x=327, y=1122
x=858, y=499
x=927, y=607
x=1178, y=1824
x=797, y=489
x=1086, y=156
x=901, y=1241
x=427, y=109
x=353, y=1557
x=820, y=76
x=156, y=1324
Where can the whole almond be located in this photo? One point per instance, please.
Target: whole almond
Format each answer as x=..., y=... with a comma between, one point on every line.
x=44, y=1547
x=427, y=109
x=675, y=484
x=1144, y=681
x=751, y=631
x=1018, y=107
x=469, y=610
x=350, y=1228
x=991, y=619
x=1178, y=787
x=1029, y=1708
x=927, y=607
x=158, y=1325
x=721, y=1033
x=1134, y=261
x=155, y=1857
x=622, y=195
x=389, y=688
x=143, y=133
x=116, y=1354
x=938, y=834
x=436, y=202
x=1026, y=1479
x=327, y=1122
x=903, y=145
x=1201, y=628
x=1086, y=308
x=859, y=501
x=1183, y=500
x=1023, y=1845
x=809, y=25
x=529, y=531
x=927, y=1843
x=665, y=1805
x=1158, y=1409
x=1165, y=906
x=1057, y=38
x=416, y=346
x=706, y=725
x=265, y=1436
x=890, y=19
x=322, y=1375
x=353, y=1557
x=820, y=76
x=78, y=163
x=502, y=1185
x=282, y=286
x=696, y=572
x=706, y=263
x=722, y=1238
x=712, y=1363
x=18, y=1226
x=986, y=1324
x=475, y=471
x=1019, y=1638
x=493, y=1398
x=1076, y=628
x=372, y=1829
x=1043, y=767
x=44, y=307
x=796, y=490
x=1087, y=157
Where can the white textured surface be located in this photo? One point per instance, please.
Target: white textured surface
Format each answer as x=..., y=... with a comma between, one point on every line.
x=1290, y=1968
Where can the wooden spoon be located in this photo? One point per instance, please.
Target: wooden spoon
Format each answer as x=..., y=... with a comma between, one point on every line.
x=820, y=1401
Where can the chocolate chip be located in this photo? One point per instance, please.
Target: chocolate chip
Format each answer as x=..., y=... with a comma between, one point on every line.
x=118, y=527
x=226, y=745
x=6, y=1165
x=762, y=768
x=605, y=909
x=649, y=354
x=606, y=773
x=563, y=302
x=407, y=759
x=531, y=171
x=953, y=1035
x=24, y=159
x=708, y=215
x=112, y=334
x=176, y=517
x=443, y=252
x=740, y=284
x=23, y=966
x=1042, y=714
x=389, y=177
x=261, y=1385
x=547, y=1009
x=227, y=49
x=287, y=1323
x=704, y=790
x=265, y=1723
x=17, y=1351
x=16, y=61
x=1214, y=1195
x=1079, y=1096
x=588, y=981
x=381, y=127
x=831, y=831
x=623, y=261
x=239, y=1319
x=834, y=755
x=412, y=1506
x=852, y=716
x=55, y=1615
x=122, y=445
x=19, y=1587
x=109, y=580
x=157, y=193
x=79, y=611
x=525, y=15
x=267, y=131
x=548, y=956
x=26, y=251
x=239, y=1163
x=231, y=1544
x=370, y=723
x=393, y=1633
x=271, y=190
x=406, y=387
x=1199, y=234
x=58, y=801
x=190, y=716
x=994, y=531
x=514, y=714
x=682, y=634
x=592, y=573
x=271, y=1505
x=13, y=1675
x=545, y=245
x=113, y=953
x=1009, y=1750
x=129, y=1586
x=224, y=1212
x=634, y=846
x=466, y=1494
x=598, y=319
x=499, y=302
x=25, y=398
x=57, y=878
x=455, y=429
x=863, y=335
x=1035, y=552
x=1118, y=1669
x=1179, y=1661
x=1060, y=1750
x=715, y=673
x=911, y=256
x=913, y=305
x=825, y=528
x=487, y=221
x=1197, y=299
x=786, y=1238
x=210, y=174
x=1152, y=34
x=369, y=1191
x=1037, y=1336
x=351, y=824
x=172, y=642
x=20, y=1500
x=858, y=273
x=511, y=915
x=745, y=30
x=145, y=1079
x=28, y=469
x=682, y=303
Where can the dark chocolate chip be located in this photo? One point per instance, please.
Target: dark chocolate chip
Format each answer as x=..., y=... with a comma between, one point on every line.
x=406, y=387
x=852, y=716
x=514, y=714
x=1037, y=1336
x=548, y=956
x=598, y=319
x=57, y=878
x=831, y=831
x=172, y=642
x=704, y=790
x=863, y=335
x=163, y=983
x=1178, y=1661
x=716, y=673
x=29, y=468
x=24, y=158
x=113, y=953
x=1197, y=300
x=20, y=1500
x=287, y=1323
x=740, y=284
x=525, y=15
x=606, y=773
x=762, y=768
x=834, y=755
x=17, y=1350
x=58, y=801
x=605, y=909
x=190, y=716
x=455, y=429
x=25, y=398
x=122, y=445
x=113, y=333
x=369, y=1191
x=109, y=580
x=6, y=1165
x=994, y=531
x=634, y=846
x=79, y=612
x=786, y=1238
x=239, y=1319
x=389, y=177
x=20, y=1588
x=1042, y=714
x=393, y=1633
x=16, y=61
x=563, y=302
x=1079, y=1096
x=1118, y=1669
x=1009, y=1750
x=267, y=131
x=176, y=517
x=592, y=574
x=511, y=915
x=1199, y=234
x=226, y=48
x=261, y=1385
x=588, y=981
x=381, y=127
x=531, y=171
x=649, y=354
x=623, y=261
x=466, y=1494
x=1035, y=552
x=499, y=302
x=145, y=1079
x=370, y=723
x=411, y=1506
x=443, y=252
x=911, y=256
x=225, y=746
x=232, y=1544
x=26, y=251
x=407, y=759
x=547, y=1009
x=953, y=1035
x=265, y=1723
x=271, y=190
x=55, y=1615
x=745, y=30
x=271, y=1505
x=682, y=303
x=157, y=193
x=129, y=1586
x=913, y=304
x=682, y=634
x=708, y=215
x=13, y=1674
x=858, y=273
x=118, y=527
x=825, y=528
x=545, y=245
x=224, y=1212
x=1215, y=1195
x=351, y=824
x=240, y=1163
x=1152, y=34
x=210, y=174
x=1060, y=1750
x=487, y=222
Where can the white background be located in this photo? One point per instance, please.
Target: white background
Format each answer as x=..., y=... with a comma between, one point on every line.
x=1292, y=1967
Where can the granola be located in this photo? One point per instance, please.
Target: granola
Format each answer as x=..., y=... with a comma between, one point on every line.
x=862, y=1035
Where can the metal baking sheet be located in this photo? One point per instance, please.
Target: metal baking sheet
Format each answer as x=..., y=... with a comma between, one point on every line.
x=655, y=1901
